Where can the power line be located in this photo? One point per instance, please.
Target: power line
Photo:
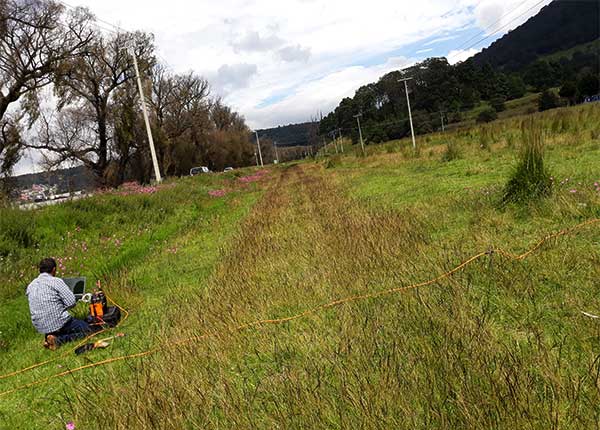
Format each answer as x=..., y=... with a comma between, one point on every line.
x=110, y=24
x=500, y=29
x=488, y=28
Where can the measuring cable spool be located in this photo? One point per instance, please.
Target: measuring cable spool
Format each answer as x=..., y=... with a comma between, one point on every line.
x=102, y=315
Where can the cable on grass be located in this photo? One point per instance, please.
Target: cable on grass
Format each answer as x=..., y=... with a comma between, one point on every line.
x=259, y=323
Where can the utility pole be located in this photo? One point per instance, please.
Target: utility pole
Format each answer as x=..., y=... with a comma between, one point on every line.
x=256, y=156
x=362, y=142
x=412, y=129
x=146, y=120
x=341, y=139
x=334, y=140
x=442, y=118
x=276, y=152
x=259, y=150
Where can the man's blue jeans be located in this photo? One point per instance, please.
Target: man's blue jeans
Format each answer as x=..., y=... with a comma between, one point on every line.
x=73, y=330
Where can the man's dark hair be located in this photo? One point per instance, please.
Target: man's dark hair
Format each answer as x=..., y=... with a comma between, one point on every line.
x=47, y=265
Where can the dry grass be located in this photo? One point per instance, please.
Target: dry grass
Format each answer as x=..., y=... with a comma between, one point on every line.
x=502, y=344
x=483, y=350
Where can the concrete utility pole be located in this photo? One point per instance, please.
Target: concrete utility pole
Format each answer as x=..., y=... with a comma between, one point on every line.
x=146, y=120
x=442, y=117
x=276, y=152
x=412, y=129
x=341, y=139
x=256, y=156
x=362, y=142
x=259, y=150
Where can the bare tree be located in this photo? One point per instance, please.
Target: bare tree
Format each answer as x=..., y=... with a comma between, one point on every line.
x=230, y=143
x=181, y=108
x=90, y=82
x=36, y=38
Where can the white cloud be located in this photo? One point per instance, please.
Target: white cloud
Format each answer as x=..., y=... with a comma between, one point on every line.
x=283, y=61
x=456, y=56
x=322, y=95
x=440, y=39
x=504, y=15
x=253, y=41
x=294, y=53
x=233, y=77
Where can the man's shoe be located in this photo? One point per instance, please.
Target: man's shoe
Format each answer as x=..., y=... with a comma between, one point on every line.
x=50, y=343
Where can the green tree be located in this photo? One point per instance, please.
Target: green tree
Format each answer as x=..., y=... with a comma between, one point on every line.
x=516, y=87
x=588, y=85
x=540, y=75
x=498, y=104
x=548, y=100
x=568, y=91
x=487, y=115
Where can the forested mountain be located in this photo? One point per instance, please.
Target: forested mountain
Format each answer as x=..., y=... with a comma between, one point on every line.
x=557, y=27
x=291, y=135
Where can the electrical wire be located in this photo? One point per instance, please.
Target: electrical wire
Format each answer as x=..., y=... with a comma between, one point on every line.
x=488, y=28
x=505, y=26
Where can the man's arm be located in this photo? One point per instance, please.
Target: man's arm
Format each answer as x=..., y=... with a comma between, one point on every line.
x=67, y=296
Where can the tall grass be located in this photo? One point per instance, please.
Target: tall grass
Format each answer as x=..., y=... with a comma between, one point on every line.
x=502, y=344
x=530, y=179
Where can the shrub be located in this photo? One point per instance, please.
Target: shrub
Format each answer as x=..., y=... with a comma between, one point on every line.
x=548, y=100
x=530, y=179
x=498, y=104
x=488, y=115
x=568, y=91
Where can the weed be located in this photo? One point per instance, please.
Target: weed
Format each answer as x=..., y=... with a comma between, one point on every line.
x=485, y=138
x=530, y=179
x=332, y=162
x=510, y=140
x=17, y=231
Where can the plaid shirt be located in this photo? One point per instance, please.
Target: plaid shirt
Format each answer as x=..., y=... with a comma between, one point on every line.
x=49, y=300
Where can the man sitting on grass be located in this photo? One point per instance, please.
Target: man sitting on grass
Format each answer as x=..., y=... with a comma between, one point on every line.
x=49, y=301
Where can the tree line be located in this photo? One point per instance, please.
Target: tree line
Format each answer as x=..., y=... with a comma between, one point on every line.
x=441, y=93
x=69, y=91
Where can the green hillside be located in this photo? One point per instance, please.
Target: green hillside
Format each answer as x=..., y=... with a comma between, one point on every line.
x=289, y=298
x=585, y=48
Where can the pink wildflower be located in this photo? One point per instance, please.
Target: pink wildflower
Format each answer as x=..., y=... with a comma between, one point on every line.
x=573, y=191
x=70, y=425
x=217, y=193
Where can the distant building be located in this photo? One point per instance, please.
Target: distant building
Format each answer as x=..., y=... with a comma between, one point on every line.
x=38, y=193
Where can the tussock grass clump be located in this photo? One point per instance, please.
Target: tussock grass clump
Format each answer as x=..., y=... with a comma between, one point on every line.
x=452, y=152
x=530, y=180
x=332, y=162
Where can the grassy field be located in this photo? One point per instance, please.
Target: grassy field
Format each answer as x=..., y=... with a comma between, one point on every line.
x=500, y=344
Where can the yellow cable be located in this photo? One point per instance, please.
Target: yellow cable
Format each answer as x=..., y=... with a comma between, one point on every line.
x=307, y=312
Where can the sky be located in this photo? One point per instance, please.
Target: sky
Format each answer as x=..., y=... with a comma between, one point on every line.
x=286, y=61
